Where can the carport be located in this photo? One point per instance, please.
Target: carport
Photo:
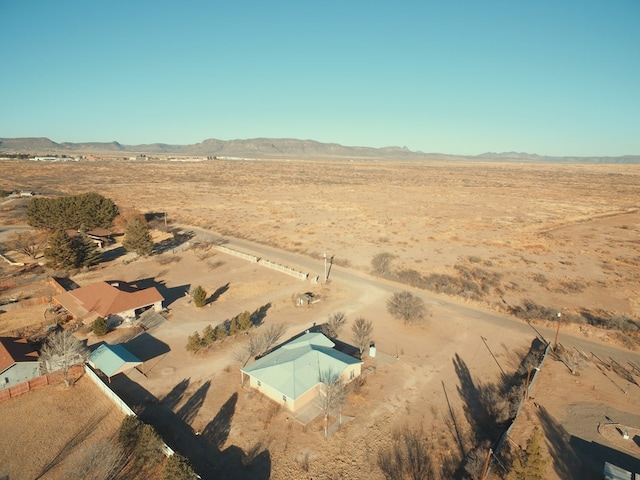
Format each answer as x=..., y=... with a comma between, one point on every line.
x=113, y=359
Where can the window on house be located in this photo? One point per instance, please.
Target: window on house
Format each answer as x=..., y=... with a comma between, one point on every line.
x=259, y=383
x=352, y=375
x=6, y=380
x=284, y=398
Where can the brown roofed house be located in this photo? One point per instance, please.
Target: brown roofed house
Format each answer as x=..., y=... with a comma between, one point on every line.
x=104, y=299
x=18, y=362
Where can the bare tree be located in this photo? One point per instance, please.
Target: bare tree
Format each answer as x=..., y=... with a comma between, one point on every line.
x=406, y=307
x=335, y=323
x=362, y=333
x=381, y=264
x=260, y=343
x=30, y=242
x=61, y=351
x=271, y=335
x=331, y=397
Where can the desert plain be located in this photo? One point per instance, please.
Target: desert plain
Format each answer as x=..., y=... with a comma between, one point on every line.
x=496, y=237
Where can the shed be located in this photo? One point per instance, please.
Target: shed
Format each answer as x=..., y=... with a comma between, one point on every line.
x=113, y=359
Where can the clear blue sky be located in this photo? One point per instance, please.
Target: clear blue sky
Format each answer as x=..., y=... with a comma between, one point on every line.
x=553, y=77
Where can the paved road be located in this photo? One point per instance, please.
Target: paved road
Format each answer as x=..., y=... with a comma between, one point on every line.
x=455, y=307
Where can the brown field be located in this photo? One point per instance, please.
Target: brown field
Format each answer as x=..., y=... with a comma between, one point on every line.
x=562, y=236
x=49, y=431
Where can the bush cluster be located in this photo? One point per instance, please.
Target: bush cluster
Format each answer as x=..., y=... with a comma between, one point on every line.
x=530, y=310
x=100, y=326
x=210, y=335
x=471, y=282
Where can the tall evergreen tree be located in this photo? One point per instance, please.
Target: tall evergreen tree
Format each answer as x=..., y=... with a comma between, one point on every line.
x=137, y=237
x=199, y=296
x=61, y=252
x=88, y=251
x=530, y=464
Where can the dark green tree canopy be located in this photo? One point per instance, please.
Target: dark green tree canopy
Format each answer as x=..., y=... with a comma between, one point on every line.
x=64, y=251
x=137, y=237
x=86, y=211
x=61, y=252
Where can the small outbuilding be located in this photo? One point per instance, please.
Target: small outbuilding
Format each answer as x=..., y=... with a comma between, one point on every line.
x=113, y=359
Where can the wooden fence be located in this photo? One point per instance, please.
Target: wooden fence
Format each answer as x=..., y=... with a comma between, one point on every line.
x=30, y=302
x=49, y=379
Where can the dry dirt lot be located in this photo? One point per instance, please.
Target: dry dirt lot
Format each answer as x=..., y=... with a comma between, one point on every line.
x=562, y=236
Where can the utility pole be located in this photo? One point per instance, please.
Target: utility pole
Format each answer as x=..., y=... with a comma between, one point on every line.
x=486, y=465
x=324, y=255
x=555, y=343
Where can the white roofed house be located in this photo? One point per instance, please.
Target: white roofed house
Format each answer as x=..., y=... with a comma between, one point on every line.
x=291, y=374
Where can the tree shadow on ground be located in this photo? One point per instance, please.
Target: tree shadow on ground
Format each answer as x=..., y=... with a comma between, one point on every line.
x=474, y=406
x=192, y=406
x=258, y=316
x=565, y=461
x=215, y=295
x=113, y=254
x=173, y=398
x=217, y=430
x=206, y=459
x=74, y=442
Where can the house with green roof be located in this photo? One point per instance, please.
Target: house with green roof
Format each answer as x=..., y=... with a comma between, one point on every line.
x=290, y=375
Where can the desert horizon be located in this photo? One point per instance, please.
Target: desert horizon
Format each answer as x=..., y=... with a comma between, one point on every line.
x=503, y=254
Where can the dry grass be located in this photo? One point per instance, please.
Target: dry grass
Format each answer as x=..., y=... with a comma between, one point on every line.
x=499, y=234
x=432, y=215
x=83, y=416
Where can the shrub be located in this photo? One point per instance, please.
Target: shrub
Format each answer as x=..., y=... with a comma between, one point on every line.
x=208, y=335
x=404, y=306
x=381, y=264
x=199, y=296
x=220, y=332
x=100, y=326
x=243, y=320
x=194, y=342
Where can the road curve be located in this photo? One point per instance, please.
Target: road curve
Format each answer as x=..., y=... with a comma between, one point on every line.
x=457, y=307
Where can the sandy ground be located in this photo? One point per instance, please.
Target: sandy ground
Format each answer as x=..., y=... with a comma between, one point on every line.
x=562, y=236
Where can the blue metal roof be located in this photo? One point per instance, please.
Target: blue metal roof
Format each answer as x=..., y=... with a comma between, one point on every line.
x=112, y=359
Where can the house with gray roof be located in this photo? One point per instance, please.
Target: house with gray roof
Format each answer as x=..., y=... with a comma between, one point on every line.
x=290, y=374
x=18, y=362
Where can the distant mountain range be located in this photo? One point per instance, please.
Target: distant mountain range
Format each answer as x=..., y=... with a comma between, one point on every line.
x=283, y=148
